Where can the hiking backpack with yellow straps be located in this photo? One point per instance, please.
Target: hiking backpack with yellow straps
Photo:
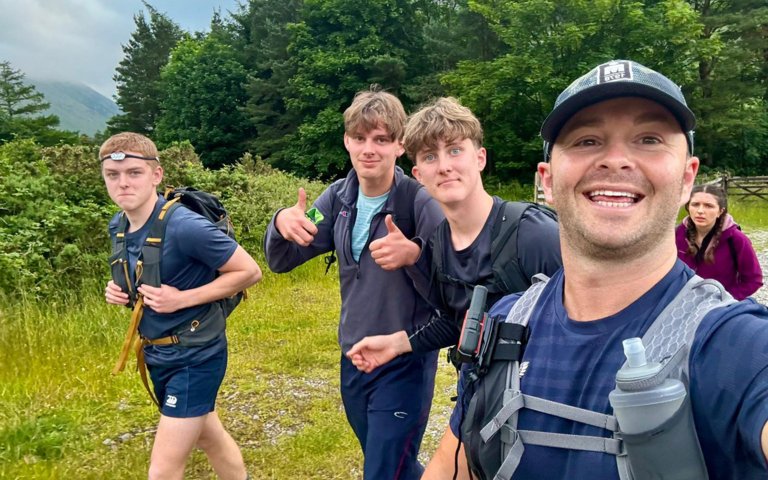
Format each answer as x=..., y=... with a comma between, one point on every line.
x=147, y=271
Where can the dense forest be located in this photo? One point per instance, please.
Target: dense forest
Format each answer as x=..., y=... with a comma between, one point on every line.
x=274, y=77
x=252, y=107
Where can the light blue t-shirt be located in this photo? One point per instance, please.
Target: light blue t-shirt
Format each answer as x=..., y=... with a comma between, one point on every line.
x=367, y=207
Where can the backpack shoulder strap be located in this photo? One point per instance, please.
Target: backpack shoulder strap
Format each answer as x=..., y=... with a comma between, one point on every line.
x=405, y=206
x=330, y=259
x=148, y=266
x=118, y=261
x=118, y=242
x=437, y=264
x=670, y=336
x=507, y=275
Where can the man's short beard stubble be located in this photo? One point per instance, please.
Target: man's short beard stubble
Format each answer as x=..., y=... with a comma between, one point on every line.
x=635, y=243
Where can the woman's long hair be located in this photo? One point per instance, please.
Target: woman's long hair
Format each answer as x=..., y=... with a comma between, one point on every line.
x=713, y=237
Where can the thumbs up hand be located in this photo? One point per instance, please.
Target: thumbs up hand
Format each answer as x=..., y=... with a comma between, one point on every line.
x=293, y=224
x=394, y=250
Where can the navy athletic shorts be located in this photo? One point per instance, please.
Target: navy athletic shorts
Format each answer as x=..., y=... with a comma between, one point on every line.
x=190, y=390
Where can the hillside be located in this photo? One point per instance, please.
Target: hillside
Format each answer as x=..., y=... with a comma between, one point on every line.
x=79, y=107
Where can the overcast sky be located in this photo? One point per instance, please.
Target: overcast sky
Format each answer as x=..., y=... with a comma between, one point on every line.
x=81, y=40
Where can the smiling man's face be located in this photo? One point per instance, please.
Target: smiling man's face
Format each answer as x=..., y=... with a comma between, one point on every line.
x=618, y=176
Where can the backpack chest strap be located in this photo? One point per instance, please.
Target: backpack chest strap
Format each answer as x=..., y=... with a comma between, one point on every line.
x=514, y=401
x=669, y=337
x=516, y=439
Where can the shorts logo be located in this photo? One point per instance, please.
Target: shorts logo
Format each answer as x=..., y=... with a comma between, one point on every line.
x=344, y=213
x=170, y=401
x=401, y=414
x=613, y=71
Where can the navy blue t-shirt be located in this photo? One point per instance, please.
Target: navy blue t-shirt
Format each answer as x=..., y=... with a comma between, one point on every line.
x=576, y=362
x=538, y=251
x=193, y=250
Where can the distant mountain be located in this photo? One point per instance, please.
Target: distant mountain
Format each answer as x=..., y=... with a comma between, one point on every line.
x=79, y=107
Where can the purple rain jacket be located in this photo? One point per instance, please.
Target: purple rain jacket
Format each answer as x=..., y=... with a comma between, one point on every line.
x=735, y=266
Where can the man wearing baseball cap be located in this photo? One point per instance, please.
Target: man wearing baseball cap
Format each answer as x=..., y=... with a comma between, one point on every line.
x=618, y=151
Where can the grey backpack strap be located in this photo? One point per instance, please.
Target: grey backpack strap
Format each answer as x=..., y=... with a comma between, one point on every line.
x=512, y=450
x=676, y=325
x=668, y=339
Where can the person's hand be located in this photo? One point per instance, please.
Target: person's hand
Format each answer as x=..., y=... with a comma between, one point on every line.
x=372, y=352
x=293, y=224
x=115, y=295
x=394, y=250
x=163, y=299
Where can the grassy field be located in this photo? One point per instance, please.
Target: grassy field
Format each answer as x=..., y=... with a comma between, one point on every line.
x=63, y=416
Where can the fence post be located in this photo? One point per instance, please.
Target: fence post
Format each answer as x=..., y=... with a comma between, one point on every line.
x=538, y=190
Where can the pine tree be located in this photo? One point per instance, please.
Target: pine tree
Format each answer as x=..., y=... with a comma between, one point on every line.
x=22, y=107
x=139, y=88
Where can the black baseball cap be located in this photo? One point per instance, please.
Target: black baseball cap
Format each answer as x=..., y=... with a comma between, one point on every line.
x=617, y=78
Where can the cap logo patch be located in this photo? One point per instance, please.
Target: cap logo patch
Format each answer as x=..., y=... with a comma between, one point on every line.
x=610, y=72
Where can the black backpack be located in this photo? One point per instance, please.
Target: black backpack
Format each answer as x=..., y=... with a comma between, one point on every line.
x=507, y=274
x=210, y=207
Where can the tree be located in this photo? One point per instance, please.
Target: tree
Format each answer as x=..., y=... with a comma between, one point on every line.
x=22, y=111
x=203, y=97
x=730, y=97
x=338, y=48
x=264, y=31
x=452, y=33
x=548, y=45
x=139, y=92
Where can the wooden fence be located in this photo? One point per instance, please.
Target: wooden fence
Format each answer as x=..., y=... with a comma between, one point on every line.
x=741, y=187
x=538, y=190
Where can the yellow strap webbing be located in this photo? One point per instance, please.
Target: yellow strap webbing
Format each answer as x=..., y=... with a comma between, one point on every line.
x=165, y=208
x=130, y=336
x=141, y=366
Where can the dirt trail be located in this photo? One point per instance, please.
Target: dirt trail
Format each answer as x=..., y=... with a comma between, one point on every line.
x=759, y=240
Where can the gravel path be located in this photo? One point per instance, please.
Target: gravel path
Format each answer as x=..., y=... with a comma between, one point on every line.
x=759, y=240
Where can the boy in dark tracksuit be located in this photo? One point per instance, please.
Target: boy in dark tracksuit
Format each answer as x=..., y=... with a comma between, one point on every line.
x=200, y=266
x=444, y=140
x=388, y=410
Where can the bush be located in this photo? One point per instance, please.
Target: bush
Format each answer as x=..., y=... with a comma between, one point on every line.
x=54, y=211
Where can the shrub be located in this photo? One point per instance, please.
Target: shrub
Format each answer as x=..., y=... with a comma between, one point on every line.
x=54, y=210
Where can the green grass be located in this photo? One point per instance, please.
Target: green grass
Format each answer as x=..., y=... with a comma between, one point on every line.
x=509, y=190
x=749, y=213
x=62, y=413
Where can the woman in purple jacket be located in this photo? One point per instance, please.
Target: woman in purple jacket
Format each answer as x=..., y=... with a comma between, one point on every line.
x=713, y=245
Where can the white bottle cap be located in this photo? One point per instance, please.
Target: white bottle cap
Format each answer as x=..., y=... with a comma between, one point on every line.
x=637, y=366
x=635, y=352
